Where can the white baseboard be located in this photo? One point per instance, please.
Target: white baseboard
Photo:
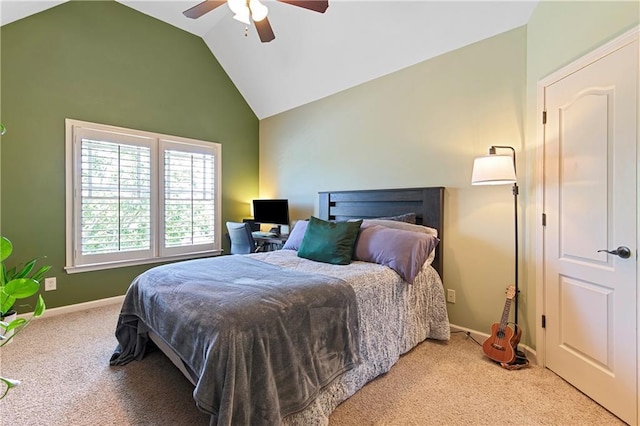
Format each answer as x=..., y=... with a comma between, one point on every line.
x=481, y=337
x=78, y=307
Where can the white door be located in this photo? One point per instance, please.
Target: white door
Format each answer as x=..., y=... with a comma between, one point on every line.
x=590, y=203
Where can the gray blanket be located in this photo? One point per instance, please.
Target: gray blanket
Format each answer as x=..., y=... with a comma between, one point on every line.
x=260, y=340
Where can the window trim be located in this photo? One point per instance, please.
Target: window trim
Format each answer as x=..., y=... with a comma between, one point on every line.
x=156, y=140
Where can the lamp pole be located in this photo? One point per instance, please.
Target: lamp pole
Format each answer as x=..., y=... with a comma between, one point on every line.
x=514, y=189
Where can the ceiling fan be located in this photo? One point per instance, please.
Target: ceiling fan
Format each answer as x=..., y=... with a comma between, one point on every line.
x=253, y=10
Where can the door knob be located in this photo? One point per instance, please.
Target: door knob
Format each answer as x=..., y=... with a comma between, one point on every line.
x=622, y=252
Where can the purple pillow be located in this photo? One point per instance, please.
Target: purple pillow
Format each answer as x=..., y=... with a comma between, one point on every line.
x=403, y=251
x=296, y=235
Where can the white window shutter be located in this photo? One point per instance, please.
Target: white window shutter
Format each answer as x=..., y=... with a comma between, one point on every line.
x=116, y=197
x=136, y=197
x=189, y=197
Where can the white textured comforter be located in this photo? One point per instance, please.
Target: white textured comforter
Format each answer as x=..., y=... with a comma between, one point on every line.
x=394, y=317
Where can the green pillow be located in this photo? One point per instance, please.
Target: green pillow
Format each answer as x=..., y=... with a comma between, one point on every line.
x=329, y=242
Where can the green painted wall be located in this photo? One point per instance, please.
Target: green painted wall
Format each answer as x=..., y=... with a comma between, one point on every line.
x=106, y=63
x=558, y=33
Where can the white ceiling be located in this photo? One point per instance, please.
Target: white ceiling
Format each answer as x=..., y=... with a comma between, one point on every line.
x=315, y=55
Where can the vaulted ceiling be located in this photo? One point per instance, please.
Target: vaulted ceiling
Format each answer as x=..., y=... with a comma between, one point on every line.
x=315, y=55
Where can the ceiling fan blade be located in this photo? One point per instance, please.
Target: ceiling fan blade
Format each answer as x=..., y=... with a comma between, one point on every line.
x=315, y=5
x=265, y=32
x=201, y=8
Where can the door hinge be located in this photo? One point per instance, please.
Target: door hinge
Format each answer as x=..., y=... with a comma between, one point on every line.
x=544, y=219
x=544, y=321
x=544, y=117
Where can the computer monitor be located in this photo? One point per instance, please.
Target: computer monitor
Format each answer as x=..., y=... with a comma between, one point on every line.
x=275, y=212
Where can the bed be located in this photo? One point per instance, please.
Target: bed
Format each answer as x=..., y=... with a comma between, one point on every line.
x=322, y=330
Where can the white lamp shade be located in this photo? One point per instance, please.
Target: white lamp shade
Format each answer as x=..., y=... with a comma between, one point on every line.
x=493, y=170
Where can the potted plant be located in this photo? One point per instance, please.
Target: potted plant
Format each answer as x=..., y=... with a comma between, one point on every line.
x=18, y=282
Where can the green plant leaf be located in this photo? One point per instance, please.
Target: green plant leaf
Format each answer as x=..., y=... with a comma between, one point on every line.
x=6, y=248
x=9, y=383
x=22, y=288
x=6, y=301
x=10, y=274
x=28, y=267
x=40, y=307
x=40, y=273
x=38, y=311
x=17, y=283
x=14, y=324
x=3, y=129
x=22, y=324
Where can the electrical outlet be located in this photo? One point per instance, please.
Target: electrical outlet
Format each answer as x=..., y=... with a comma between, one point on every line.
x=451, y=296
x=50, y=284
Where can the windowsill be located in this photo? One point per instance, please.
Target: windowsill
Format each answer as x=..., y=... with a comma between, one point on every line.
x=126, y=263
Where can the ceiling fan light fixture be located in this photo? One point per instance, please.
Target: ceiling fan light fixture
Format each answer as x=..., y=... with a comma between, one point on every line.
x=238, y=7
x=246, y=11
x=243, y=17
x=258, y=10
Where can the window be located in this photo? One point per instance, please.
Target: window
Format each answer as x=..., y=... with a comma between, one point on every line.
x=137, y=197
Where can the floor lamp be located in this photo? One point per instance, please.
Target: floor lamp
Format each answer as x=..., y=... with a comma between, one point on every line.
x=494, y=169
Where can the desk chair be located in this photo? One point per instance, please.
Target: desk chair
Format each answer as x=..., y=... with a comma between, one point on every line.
x=242, y=241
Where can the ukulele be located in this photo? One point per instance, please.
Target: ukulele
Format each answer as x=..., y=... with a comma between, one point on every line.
x=501, y=345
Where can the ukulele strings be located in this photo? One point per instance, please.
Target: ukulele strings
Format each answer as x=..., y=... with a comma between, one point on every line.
x=501, y=335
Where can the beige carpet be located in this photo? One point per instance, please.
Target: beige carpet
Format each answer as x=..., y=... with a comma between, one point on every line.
x=66, y=380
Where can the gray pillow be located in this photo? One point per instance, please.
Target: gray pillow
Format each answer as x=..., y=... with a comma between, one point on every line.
x=296, y=236
x=400, y=225
x=403, y=251
x=407, y=217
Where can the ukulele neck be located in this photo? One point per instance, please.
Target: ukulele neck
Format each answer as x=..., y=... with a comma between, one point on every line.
x=505, y=314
